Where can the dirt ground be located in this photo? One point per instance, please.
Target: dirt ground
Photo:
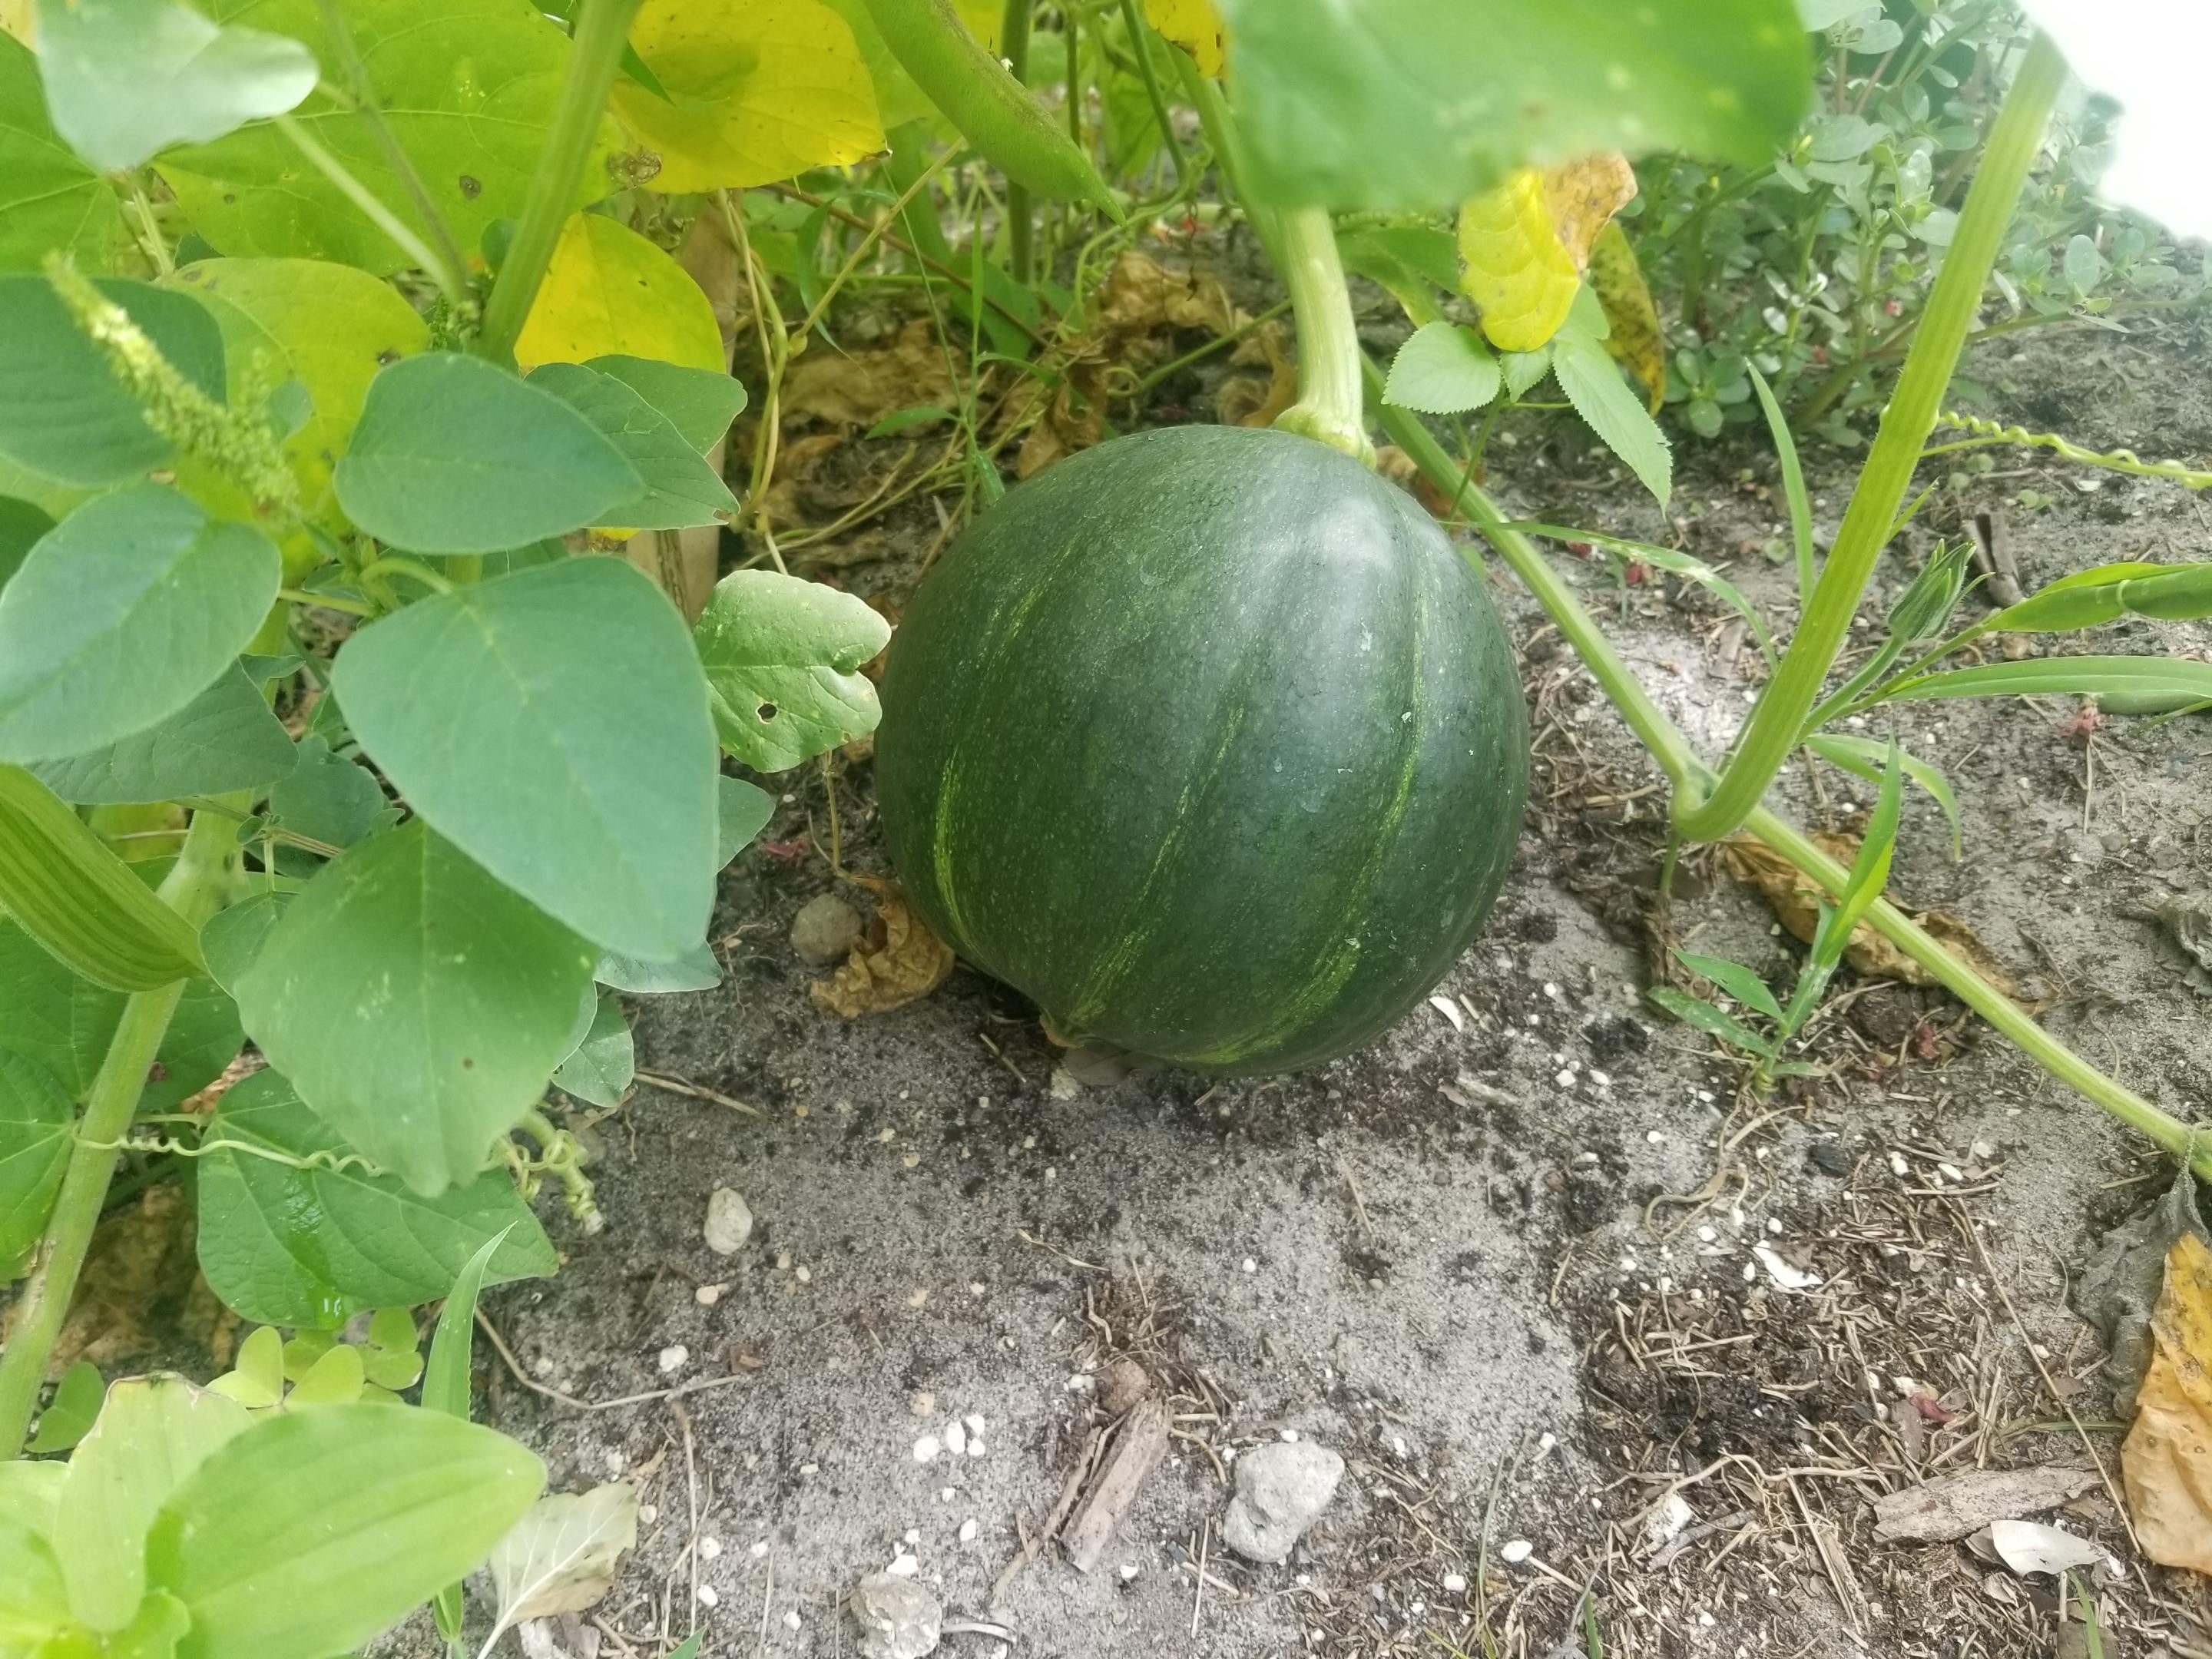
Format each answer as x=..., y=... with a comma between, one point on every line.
x=1502, y=1261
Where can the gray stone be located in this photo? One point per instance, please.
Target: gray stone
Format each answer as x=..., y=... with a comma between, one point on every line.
x=1281, y=1489
x=898, y=1618
x=824, y=929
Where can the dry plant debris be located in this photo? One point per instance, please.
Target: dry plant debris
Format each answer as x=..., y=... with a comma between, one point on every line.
x=2168, y=1453
x=896, y=960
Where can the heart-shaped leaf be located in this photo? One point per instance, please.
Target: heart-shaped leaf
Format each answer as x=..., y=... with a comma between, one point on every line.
x=416, y=1006
x=699, y=403
x=49, y=199
x=610, y=290
x=451, y=455
x=225, y=738
x=681, y=489
x=584, y=774
x=783, y=658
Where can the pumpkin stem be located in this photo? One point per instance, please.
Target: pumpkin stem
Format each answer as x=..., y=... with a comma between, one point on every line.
x=1331, y=405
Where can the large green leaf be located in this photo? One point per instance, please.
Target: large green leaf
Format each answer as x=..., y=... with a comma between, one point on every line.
x=126, y=78
x=416, y=1005
x=327, y=798
x=783, y=658
x=225, y=738
x=468, y=88
x=122, y=615
x=698, y=402
x=2082, y=676
x=315, y=1529
x=150, y=1436
x=35, y=1117
x=681, y=490
x=330, y=327
x=451, y=455
x=63, y=1023
x=1411, y=103
x=314, y=1247
x=49, y=199
x=553, y=724
x=63, y=414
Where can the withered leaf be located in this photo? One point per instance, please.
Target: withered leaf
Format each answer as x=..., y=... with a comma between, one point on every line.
x=2166, y=1460
x=897, y=961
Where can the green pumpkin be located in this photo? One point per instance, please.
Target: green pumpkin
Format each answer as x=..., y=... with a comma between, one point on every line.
x=1208, y=741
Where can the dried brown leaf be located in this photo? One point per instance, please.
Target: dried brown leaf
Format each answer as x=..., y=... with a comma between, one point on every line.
x=858, y=388
x=2167, y=1458
x=1795, y=898
x=897, y=961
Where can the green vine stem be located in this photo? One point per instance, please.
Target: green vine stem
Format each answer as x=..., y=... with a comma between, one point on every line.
x=1021, y=219
x=1685, y=770
x=602, y=31
x=200, y=884
x=1775, y=723
x=1986, y=433
x=1331, y=406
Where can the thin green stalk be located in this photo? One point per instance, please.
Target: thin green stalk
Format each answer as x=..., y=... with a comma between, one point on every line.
x=602, y=31
x=1228, y=147
x=1021, y=218
x=453, y=269
x=196, y=887
x=149, y=233
x=1331, y=406
x=1956, y=296
x=1685, y=770
x=1140, y=38
x=450, y=282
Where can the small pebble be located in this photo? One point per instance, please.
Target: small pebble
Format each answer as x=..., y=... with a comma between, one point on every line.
x=708, y=1295
x=956, y=1438
x=708, y=1595
x=709, y=1549
x=967, y=1531
x=904, y=1566
x=729, y=1221
x=791, y=1620
x=1455, y=1583
x=673, y=1359
x=1515, y=1553
x=926, y=1448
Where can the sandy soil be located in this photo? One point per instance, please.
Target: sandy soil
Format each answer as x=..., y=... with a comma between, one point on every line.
x=1502, y=1262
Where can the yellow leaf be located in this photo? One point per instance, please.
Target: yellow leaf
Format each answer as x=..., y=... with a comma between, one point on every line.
x=15, y=18
x=2167, y=1457
x=762, y=91
x=1195, y=26
x=1524, y=245
x=1617, y=281
x=610, y=290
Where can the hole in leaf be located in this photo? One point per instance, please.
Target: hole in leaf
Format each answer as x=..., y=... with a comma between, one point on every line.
x=766, y=712
x=469, y=188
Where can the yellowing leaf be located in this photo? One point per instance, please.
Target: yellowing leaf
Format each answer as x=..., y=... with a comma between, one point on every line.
x=762, y=91
x=2167, y=1457
x=1617, y=281
x=1195, y=26
x=610, y=291
x=1525, y=244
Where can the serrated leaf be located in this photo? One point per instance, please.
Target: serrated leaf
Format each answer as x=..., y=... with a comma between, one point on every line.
x=1443, y=369
x=782, y=658
x=68, y=890
x=1616, y=278
x=35, y=1120
x=63, y=414
x=153, y=1433
x=127, y=78
x=470, y=990
x=1525, y=243
x=610, y=291
x=313, y=1247
x=585, y=777
x=1408, y=103
x=224, y=740
x=560, y=1556
x=699, y=403
x=468, y=87
x=121, y=615
x=451, y=455
x=756, y=93
x=1524, y=369
x=72, y=1413
x=49, y=199
x=681, y=489
x=1591, y=380
x=62, y=1023
x=600, y=1068
x=330, y=327
x=267, y=1564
